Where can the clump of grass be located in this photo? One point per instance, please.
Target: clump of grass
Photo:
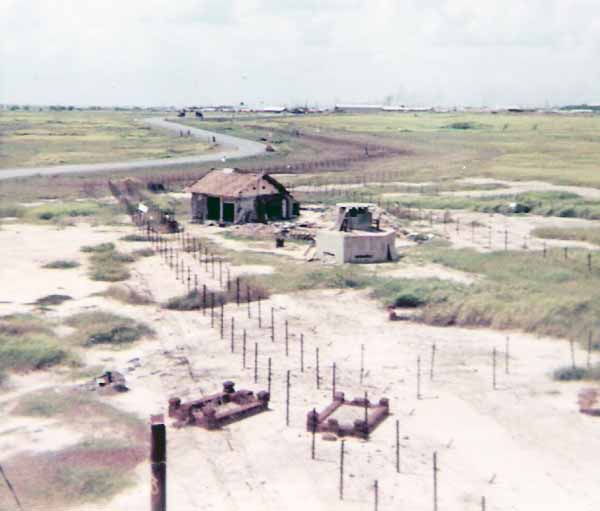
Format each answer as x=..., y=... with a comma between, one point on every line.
x=61, y=264
x=135, y=237
x=101, y=247
x=194, y=300
x=414, y=292
x=11, y=211
x=54, y=299
x=108, y=264
x=575, y=373
x=143, y=252
x=30, y=353
x=105, y=328
x=57, y=211
x=126, y=294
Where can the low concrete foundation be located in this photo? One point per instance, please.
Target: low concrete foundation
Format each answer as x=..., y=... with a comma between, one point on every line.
x=357, y=246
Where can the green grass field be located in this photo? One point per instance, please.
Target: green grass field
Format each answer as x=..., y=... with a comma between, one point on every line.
x=34, y=139
x=555, y=148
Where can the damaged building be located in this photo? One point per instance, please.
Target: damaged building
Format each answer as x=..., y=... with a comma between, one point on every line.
x=356, y=237
x=230, y=196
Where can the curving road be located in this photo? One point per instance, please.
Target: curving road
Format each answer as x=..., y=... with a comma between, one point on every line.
x=230, y=148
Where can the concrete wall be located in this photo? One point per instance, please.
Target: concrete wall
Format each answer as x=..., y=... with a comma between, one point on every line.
x=356, y=247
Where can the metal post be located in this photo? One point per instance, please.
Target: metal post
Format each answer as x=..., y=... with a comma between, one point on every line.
x=398, y=446
x=255, y=362
x=318, y=378
x=376, y=494
x=333, y=381
x=237, y=291
x=435, y=482
x=222, y=322
x=494, y=368
x=244, y=350
x=212, y=310
x=366, y=415
x=314, y=432
x=248, y=300
x=269, y=374
x=272, y=324
x=232, y=334
x=158, y=467
x=287, y=344
x=432, y=362
x=418, y=377
x=342, y=469
x=362, y=363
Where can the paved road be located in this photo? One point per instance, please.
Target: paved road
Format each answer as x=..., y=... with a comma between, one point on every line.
x=229, y=148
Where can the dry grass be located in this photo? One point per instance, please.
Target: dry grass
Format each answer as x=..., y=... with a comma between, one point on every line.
x=105, y=328
x=126, y=294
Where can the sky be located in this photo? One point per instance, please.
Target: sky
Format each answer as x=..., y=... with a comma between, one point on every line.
x=296, y=52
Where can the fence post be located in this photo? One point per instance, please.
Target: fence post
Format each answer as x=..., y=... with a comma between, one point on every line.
x=158, y=467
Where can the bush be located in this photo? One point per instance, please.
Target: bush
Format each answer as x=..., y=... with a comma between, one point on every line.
x=126, y=294
x=570, y=373
x=106, y=328
x=57, y=211
x=52, y=300
x=61, y=264
x=134, y=237
x=101, y=247
x=29, y=353
x=194, y=300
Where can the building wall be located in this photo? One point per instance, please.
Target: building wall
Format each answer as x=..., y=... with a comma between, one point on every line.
x=352, y=247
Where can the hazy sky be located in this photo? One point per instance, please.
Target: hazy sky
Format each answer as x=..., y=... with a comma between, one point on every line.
x=421, y=52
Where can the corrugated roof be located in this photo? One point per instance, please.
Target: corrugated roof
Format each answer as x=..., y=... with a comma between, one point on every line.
x=228, y=183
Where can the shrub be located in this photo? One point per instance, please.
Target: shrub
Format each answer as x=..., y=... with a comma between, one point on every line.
x=61, y=264
x=570, y=373
x=194, y=299
x=106, y=328
x=30, y=352
x=52, y=300
x=126, y=294
x=101, y=247
x=57, y=211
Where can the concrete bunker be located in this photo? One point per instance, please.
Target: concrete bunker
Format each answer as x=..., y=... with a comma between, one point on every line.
x=232, y=197
x=356, y=237
x=358, y=417
x=216, y=410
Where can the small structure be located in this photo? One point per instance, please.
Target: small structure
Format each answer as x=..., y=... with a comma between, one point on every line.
x=110, y=382
x=214, y=411
x=356, y=237
x=230, y=196
x=358, y=417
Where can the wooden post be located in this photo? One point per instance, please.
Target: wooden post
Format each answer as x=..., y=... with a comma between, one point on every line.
x=301, y=353
x=376, y=494
x=431, y=369
x=232, y=334
x=398, y=446
x=333, y=381
x=435, y=482
x=248, y=300
x=259, y=314
x=287, y=398
x=212, y=310
x=222, y=322
x=237, y=291
x=255, y=362
x=418, y=377
x=287, y=341
x=158, y=467
x=272, y=324
x=228, y=279
x=342, y=469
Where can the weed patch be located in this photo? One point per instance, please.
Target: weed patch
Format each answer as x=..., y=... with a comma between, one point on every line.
x=105, y=328
x=61, y=264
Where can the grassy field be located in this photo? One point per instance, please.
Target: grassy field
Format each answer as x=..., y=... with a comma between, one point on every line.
x=34, y=139
x=554, y=148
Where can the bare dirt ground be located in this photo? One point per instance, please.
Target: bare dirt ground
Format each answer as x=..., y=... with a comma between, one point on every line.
x=524, y=445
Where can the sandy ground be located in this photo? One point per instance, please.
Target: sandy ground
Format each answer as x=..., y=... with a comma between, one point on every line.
x=524, y=445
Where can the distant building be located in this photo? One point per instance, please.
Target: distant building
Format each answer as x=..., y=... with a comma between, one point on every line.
x=357, y=109
x=230, y=196
x=356, y=237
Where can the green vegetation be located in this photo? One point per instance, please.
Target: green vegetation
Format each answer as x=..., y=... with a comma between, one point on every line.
x=33, y=139
x=54, y=299
x=126, y=294
x=135, y=237
x=101, y=327
x=61, y=264
x=91, y=470
x=570, y=373
x=561, y=204
x=27, y=343
x=586, y=234
x=108, y=264
x=194, y=299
